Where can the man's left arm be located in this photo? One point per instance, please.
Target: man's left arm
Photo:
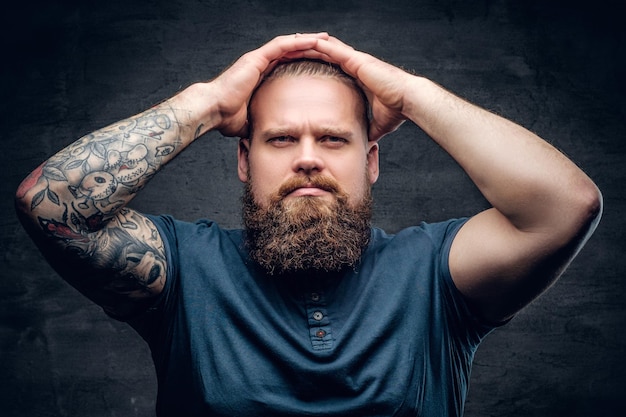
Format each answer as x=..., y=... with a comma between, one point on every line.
x=544, y=208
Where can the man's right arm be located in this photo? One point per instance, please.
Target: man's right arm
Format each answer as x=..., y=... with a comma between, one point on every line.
x=74, y=204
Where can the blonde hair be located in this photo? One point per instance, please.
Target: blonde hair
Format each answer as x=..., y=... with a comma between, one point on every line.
x=314, y=68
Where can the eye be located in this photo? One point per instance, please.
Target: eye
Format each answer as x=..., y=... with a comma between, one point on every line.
x=281, y=140
x=334, y=141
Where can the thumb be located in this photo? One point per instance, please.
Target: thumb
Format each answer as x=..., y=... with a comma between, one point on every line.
x=379, y=129
x=375, y=132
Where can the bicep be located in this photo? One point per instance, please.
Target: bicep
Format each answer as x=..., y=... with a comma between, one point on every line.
x=132, y=249
x=499, y=268
x=121, y=267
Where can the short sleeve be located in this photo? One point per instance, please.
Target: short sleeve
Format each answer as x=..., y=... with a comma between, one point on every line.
x=150, y=322
x=463, y=320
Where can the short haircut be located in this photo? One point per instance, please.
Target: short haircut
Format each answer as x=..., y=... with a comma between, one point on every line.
x=314, y=68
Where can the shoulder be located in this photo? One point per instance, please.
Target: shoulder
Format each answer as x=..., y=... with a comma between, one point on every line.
x=436, y=234
x=197, y=241
x=421, y=250
x=180, y=230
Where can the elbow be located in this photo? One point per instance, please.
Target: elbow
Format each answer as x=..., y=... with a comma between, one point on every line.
x=571, y=221
x=593, y=203
x=20, y=201
x=25, y=197
x=22, y=208
x=589, y=207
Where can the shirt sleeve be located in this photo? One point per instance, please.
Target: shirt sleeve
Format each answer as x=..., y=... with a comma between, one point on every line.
x=166, y=227
x=149, y=323
x=464, y=322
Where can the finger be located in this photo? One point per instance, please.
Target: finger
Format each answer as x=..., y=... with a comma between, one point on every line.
x=376, y=133
x=342, y=54
x=290, y=56
x=264, y=58
x=334, y=47
x=318, y=35
x=337, y=41
x=281, y=45
x=309, y=53
x=378, y=130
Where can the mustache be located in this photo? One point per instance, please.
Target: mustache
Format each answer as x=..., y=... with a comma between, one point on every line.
x=317, y=181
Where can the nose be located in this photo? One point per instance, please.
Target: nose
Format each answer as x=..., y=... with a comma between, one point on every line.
x=308, y=158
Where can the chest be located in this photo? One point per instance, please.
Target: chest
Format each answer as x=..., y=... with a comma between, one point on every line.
x=253, y=347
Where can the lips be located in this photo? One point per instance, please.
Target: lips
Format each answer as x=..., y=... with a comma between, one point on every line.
x=308, y=191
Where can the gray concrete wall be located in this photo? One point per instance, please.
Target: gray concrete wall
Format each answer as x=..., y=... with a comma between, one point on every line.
x=556, y=67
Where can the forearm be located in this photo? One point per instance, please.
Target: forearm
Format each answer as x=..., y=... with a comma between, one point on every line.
x=92, y=179
x=526, y=179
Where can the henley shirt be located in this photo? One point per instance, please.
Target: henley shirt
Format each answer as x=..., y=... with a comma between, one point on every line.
x=389, y=337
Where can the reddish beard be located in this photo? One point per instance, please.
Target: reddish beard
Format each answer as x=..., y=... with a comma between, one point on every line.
x=306, y=233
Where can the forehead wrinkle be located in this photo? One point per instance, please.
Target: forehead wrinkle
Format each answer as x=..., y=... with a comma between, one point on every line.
x=361, y=109
x=296, y=131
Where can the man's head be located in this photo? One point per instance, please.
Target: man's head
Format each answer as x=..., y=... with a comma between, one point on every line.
x=315, y=69
x=308, y=168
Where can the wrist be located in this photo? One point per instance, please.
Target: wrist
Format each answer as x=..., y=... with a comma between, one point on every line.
x=196, y=109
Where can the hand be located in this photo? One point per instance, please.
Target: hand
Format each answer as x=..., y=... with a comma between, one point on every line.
x=384, y=84
x=236, y=84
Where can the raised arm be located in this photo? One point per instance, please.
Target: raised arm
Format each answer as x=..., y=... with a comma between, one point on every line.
x=74, y=207
x=74, y=204
x=544, y=206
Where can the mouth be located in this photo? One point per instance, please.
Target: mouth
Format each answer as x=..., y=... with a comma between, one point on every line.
x=309, y=191
x=314, y=187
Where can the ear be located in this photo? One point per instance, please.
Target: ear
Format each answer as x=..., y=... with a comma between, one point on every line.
x=373, y=161
x=243, y=166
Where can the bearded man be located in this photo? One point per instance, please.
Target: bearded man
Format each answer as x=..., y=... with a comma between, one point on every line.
x=309, y=310
x=310, y=222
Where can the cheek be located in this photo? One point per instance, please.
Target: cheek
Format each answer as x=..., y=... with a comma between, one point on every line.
x=262, y=184
x=260, y=195
x=359, y=184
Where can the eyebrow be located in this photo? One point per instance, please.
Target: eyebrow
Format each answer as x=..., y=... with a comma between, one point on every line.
x=321, y=131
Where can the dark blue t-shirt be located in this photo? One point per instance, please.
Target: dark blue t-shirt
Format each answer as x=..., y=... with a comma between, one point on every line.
x=392, y=337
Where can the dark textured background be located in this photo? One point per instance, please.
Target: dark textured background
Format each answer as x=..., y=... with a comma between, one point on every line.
x=557, y=67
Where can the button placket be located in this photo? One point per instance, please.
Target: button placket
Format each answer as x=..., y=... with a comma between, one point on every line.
x=319, y=323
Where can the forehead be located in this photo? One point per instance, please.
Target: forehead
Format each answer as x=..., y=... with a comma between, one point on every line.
x=315, y=99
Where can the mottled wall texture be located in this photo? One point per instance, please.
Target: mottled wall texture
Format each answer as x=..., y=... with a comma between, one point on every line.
x=556, y=67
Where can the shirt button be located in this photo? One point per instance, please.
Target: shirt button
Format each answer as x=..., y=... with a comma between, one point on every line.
x=320, y=333
x=315, y=296
x=318, y=316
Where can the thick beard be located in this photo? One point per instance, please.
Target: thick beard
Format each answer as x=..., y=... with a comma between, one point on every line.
x=306, y=234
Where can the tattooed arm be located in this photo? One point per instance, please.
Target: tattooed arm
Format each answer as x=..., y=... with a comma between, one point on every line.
x=74, y=204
